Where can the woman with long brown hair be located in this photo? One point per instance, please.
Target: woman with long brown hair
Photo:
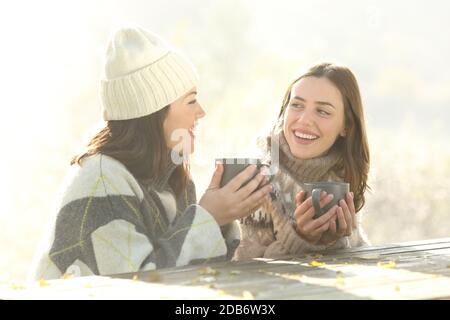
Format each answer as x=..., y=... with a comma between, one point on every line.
x=320, y=136
x=129, y=203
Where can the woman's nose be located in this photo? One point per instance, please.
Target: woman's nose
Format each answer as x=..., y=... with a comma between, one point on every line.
x=200, y=113
x=305, y=118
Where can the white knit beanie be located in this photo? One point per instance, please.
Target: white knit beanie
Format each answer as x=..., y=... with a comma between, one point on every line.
x=142, y=75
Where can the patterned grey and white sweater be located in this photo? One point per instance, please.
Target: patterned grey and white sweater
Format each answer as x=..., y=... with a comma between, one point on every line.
x=269, y=232
x=108, y=222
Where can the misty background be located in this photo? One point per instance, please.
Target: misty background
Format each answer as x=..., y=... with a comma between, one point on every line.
x=247, y=53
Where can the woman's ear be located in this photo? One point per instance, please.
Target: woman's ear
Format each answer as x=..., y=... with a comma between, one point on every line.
x=343, y=133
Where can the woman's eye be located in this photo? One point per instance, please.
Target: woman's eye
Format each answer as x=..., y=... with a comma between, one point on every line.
x=295, y=105
x=324, y=113
x=193, y=102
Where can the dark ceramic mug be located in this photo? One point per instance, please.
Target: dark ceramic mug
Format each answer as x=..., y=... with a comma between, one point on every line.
x=233, y=166
x=314, y=189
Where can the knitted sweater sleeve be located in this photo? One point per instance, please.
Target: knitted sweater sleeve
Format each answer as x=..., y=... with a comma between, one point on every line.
x=100, y=229
x=193, y=237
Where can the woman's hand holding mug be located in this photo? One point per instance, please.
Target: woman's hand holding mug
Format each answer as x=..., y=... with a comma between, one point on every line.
x=232, y=201
x=307, y=227
x=346, y=221
x=339, y=221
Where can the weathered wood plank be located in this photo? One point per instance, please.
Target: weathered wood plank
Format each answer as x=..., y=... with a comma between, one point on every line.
x=418, y=270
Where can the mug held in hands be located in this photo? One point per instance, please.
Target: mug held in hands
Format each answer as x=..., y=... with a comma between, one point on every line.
x=314, y=189
x=233, y=166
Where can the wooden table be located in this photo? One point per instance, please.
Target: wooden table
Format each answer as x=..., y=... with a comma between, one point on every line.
x=413, y=270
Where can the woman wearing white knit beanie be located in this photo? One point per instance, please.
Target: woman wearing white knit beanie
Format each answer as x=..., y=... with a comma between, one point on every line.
x=126, y=205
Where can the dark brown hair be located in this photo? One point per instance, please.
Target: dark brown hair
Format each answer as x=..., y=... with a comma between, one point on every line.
x=139, y=144
x=354, y=146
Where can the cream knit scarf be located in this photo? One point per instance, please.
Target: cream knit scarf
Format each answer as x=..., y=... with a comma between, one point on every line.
x=306, y=170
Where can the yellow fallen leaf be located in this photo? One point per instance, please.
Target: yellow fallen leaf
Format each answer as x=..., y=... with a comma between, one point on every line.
x=397, y=288
x=135, y=277
x=316, y=264
x=387, y=265
x=15, y=286
x=43, y=283
x=208, y=271
x=67, y=276
x=248, y=295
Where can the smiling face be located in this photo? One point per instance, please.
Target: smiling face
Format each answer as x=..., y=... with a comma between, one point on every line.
x=181, y=120
x=314, y=117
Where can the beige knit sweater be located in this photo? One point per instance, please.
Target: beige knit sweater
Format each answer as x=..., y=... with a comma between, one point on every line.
x=269, y=232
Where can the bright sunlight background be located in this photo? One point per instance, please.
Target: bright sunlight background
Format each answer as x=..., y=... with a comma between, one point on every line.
x=247, y=52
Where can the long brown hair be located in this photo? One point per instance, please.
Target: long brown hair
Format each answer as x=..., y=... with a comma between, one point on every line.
x=139, y=144
x=354, y=146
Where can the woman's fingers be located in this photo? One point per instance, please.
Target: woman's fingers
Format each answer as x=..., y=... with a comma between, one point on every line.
x=348, y=217
x=243, y=176
x=255, y=198
x=306, y=205
x=323, y=219
x=333, y=226
x=217, y=176
x=306, y=222
x=351, y=206
x=341, y=222
x=315, y=235
x=299, y=197
x=303, y=218
x=250, y=187
x=255, y=207
x=318, y=232
x=303, y=208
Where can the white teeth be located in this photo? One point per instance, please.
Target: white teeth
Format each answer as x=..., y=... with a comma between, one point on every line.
x=305, y=136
